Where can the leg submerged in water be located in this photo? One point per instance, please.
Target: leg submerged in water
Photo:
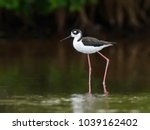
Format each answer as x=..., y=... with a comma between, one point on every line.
x=106, y=68
x=90, y=71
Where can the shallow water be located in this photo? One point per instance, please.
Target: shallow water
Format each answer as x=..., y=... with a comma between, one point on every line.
x=77, y=103
x=42, y=75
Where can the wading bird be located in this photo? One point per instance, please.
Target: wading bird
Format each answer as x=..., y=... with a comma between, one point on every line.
x=90, y=45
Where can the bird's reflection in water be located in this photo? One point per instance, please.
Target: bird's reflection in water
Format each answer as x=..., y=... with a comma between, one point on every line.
x=89, y=103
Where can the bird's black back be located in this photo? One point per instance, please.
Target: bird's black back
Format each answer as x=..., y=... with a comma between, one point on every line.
x=90, y=41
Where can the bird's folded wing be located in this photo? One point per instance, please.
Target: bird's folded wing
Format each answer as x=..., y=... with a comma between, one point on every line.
x=90, y=41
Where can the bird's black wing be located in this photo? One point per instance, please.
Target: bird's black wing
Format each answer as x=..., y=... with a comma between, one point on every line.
x=90, y=41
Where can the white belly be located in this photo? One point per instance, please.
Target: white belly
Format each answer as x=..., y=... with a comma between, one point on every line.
x=86, y=49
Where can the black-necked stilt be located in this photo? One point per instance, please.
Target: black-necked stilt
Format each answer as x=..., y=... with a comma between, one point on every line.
x=90, y=45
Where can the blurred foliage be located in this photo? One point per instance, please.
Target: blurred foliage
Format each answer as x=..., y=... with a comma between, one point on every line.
x=42, y=6
x=87, y=13
x=9, y=4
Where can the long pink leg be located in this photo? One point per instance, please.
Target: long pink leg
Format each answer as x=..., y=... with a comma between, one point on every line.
x=90, y=70
x=104, y=79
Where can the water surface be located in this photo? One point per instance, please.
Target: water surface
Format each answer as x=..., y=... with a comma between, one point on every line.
x=44, y=75
x=77, y=103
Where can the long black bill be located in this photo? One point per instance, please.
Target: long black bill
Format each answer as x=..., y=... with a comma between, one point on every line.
x=65, y=38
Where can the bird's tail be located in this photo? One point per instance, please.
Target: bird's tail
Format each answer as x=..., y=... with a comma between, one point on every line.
x=112, y=43
x=109, y=43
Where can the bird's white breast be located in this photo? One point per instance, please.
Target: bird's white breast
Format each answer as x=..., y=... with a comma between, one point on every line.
x=79, y=46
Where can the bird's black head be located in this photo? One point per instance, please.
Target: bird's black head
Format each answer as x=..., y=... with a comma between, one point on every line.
x=76, y=33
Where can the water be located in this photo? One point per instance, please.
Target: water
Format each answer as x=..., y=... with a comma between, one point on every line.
x=39, y=75
x=77, y=103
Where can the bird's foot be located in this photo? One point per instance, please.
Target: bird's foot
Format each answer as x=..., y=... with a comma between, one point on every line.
x=106, y=93
x=89, y=93
x=105, y=90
